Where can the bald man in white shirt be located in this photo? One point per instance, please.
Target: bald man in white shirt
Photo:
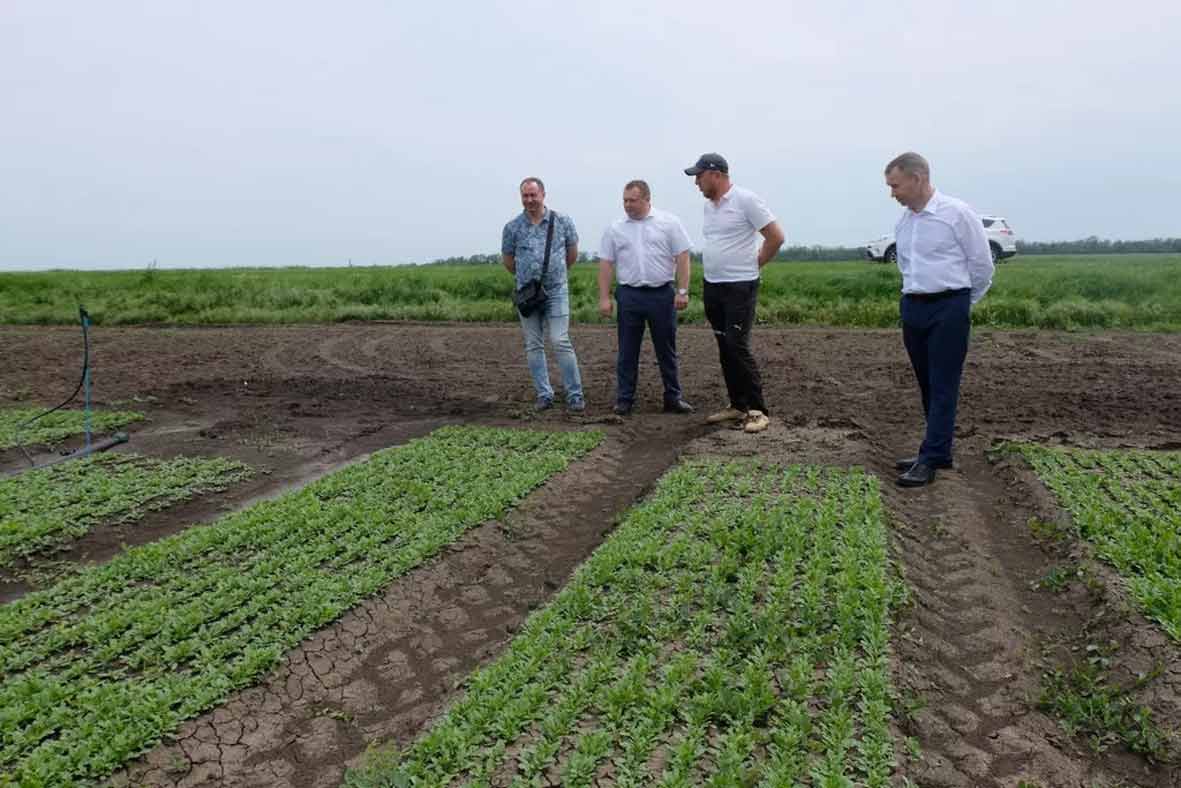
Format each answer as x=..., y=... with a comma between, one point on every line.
x=645, y=252
x=946, y=268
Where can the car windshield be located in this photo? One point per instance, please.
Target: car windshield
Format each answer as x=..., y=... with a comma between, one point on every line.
x=988, y=222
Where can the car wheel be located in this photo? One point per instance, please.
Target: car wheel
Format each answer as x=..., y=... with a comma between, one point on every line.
x=996, y=253
x=891, y=255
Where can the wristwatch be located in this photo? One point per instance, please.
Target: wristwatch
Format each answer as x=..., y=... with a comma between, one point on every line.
x=683, y=291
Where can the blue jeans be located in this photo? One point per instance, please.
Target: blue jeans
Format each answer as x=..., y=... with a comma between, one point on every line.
x=935, y=333
x=553, y=319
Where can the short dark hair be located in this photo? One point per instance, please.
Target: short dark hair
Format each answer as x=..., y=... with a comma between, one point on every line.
x=645, y=192
x=532, y=179
x=911, y=163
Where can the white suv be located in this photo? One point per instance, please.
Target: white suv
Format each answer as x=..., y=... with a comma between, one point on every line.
x=1001, y=238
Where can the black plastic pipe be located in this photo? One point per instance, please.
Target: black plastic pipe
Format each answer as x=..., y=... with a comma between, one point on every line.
x=114, y=440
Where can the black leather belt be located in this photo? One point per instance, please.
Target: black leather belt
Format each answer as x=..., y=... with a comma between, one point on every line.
x=942, y=294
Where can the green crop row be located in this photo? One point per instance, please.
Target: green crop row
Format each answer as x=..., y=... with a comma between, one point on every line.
x=56, y=426
x=45, y=507
x=1128, y=504
x=732, y=631
x=99, y=667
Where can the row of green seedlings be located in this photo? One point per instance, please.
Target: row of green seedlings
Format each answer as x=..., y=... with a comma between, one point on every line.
x=1090, y=701
x=99, y=667
x=1128, y=505
x=57, y=426
x=45, y=508
x=1119, y=492
x=734, y=630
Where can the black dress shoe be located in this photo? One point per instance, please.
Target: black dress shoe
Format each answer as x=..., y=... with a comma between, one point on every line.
x=677, y=406
x=919, y=474
x=623, y=409
x=906, y=463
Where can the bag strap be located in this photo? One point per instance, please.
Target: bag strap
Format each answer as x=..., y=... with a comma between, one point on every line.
x=549, y=240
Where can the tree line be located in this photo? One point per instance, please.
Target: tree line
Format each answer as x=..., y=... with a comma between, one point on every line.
x=820, y=254
x=788, y=253
x=1096, y=245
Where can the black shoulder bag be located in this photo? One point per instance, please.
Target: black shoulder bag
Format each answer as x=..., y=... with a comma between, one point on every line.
x=530, y=297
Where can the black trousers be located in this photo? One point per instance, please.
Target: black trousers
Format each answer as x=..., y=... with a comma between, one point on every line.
x=730, y=310
x=935, y=331
x=639, y=307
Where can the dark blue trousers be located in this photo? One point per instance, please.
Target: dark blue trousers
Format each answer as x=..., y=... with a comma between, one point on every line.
x=935, y=332
x=653, y=307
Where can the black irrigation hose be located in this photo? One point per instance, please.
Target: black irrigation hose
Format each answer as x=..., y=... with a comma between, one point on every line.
x=84, y=317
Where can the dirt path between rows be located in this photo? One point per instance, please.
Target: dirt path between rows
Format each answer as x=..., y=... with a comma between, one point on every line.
x=303, y=400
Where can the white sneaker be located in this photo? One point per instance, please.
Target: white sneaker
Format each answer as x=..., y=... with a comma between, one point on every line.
x=729, y=414
x=756, y=421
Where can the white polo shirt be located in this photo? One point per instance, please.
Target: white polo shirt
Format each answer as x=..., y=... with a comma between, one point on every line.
x=644, y=251
x=943, y=247
x=732, y=239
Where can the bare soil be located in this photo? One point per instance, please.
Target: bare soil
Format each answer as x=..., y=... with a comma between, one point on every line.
x=297, y=402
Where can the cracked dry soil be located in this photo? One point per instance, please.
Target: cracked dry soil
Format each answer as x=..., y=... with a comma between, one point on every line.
x=299, y=401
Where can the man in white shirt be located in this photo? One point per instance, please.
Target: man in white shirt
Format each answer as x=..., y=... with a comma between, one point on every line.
x=946, y=267
x=733, y=256
x=645, y=251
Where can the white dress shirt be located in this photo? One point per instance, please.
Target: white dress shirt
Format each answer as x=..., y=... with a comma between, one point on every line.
x=644, y=251
x=943, y=247
x=731, y=231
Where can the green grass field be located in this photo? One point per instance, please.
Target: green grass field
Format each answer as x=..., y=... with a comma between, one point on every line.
x=1132, y=291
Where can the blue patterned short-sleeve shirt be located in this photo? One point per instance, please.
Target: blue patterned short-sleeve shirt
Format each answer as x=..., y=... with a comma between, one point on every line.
x=525, y=241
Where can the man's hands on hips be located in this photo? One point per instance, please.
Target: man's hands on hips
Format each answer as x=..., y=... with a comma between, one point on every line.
x=605, y=306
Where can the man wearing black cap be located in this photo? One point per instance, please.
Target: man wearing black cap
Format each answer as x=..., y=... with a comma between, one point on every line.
x=734, y=219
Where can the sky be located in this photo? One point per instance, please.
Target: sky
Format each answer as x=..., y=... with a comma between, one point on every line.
x=217, y=133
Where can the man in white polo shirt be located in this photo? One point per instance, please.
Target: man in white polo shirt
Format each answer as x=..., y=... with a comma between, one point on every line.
x=946, y=268
x=733, y=256
x=645, y=251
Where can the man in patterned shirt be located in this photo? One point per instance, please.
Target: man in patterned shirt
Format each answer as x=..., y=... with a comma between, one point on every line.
x=522, y=249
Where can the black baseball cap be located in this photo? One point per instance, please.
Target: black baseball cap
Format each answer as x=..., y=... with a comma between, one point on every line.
x=708, y=161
